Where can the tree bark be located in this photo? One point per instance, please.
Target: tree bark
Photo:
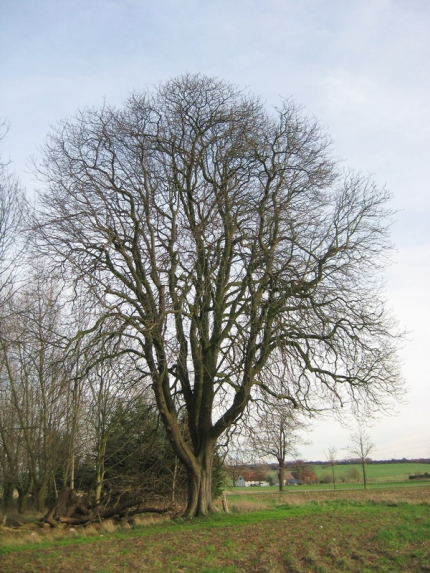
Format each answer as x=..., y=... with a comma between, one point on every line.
x=281, y=472
x=22, y=501
x=175, y=474
x=7, y=495
x=364, y=475
x=200, y=484
x=40, y=497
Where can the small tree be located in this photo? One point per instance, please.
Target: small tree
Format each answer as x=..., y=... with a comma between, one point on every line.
x=331, y=456
x=360, y=448
x=303, y=471
x=353, y=474
x=234, y=461
x=274, y=433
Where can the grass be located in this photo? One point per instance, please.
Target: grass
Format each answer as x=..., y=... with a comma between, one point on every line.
x=377, y=472
x=380, y=531
x=329, y=487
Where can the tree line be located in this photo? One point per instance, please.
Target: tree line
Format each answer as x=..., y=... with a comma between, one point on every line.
x=67, y=422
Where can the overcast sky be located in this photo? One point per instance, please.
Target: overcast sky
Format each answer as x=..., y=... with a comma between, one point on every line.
x=361, y=67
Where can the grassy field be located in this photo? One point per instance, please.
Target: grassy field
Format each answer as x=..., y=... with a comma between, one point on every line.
x=385, y=531
x=377, y=472
x=328, y=487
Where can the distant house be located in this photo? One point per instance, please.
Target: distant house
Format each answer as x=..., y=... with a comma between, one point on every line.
x=293, y=482
x=289, y=479
x=250, y=479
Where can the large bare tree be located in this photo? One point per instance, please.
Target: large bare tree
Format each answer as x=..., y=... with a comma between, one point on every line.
x=225, y=242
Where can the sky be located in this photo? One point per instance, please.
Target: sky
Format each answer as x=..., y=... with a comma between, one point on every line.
x=360, y=67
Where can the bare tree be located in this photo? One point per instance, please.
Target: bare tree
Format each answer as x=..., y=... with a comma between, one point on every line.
x=361, y=447
x=331, y=456
x=34, y=387
x=236, y=453
x=111, y=383
x=12, y=209
x=274, y=431
x=225, y=242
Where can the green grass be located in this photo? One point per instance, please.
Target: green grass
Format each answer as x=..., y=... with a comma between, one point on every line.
x=329, y=487
x=377, y=472
x=358, y=532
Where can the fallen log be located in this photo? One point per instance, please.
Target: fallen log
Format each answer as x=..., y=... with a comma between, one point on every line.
x=110, y=513
x=68, y=503
x=70, y=509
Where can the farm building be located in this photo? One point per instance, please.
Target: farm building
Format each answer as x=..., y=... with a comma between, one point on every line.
x=250, y=479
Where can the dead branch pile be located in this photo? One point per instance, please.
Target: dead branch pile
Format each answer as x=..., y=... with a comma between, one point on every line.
x=71, y=509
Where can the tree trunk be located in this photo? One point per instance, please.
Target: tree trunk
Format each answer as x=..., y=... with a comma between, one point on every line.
x=7, y=500
x=22, y=500
x=281, y=473
x=364, y=475
x=175, y=474
x=40, y=497
x=100, y=474
x=200, y=484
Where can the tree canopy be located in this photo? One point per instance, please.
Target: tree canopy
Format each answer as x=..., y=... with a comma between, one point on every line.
x=229, y=252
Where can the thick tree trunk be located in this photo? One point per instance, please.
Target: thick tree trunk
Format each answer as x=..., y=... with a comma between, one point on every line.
x=7, y=499
x=200, y=485
x=22, y=500
x=40, y=497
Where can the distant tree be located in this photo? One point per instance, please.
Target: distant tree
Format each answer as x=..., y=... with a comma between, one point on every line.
x=235, y=462
x=274, y=432
x=233, y=470
x=303, y=472
x=352, y=474
x=331, y=456
x=361, y=447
